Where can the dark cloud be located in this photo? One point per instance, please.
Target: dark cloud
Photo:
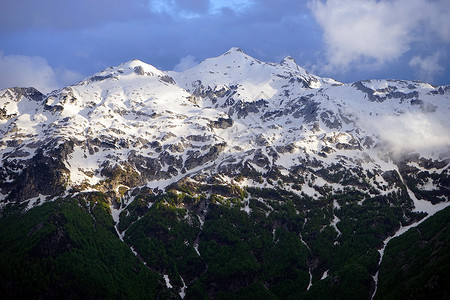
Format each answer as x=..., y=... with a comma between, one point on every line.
x=18, y=15
x=197, y=6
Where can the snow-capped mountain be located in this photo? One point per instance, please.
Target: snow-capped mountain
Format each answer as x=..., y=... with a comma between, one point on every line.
x=309, y=160
x=227, y=114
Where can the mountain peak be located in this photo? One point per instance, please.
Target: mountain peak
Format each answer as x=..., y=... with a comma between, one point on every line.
x=234, y=50
x=132, y=67
x=236, y=53
x=230, y=143
x=140, y=68
x=290, y=62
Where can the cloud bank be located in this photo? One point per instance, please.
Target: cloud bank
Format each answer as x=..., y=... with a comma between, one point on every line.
x=413, y=132
x=185, y=63
x=378, y=32
x=33, y=71
x=427, y=67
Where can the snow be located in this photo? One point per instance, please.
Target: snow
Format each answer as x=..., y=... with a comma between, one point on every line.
x=81, y=163
x=247, y=208
x=182, y=292
x=196, y=249
x=134, y=251
x=255, y=80
x=309, y=190
x=423, y=205
x=2, y=198
x=310, y=280
x=167, y=280
x=303, y=242
x=428, y=186
x=336, y=204
x=99, y=106
x=35, y=201
x=118, y=107
x=115, y=213
x=419, y=206
x=334, y=223
x=201, y=221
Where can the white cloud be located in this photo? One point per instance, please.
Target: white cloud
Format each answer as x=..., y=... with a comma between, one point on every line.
x=413, y=132
x=427, y=67
x=33, y=71
x=357, y=31
x=185, y=63
x=438, y=18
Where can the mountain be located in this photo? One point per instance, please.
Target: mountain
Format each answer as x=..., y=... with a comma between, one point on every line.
x=235, y=178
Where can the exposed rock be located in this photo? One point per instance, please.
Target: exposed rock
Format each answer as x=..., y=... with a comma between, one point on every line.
x=30, y=93
x=100, y=78
x=42, y=174
x=330, y=120
x=167, y=79
x=139, y=70
x=222, y=123
x=289, y=148
x=194, y=160
x=168, y=136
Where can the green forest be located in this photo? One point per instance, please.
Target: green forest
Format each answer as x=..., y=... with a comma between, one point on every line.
x=237, y=244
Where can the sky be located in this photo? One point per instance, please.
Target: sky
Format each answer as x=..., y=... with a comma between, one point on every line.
x=49, y=44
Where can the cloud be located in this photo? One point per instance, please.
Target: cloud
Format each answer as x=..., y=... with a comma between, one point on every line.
x=413, y=132
x=377, y=32
x=427, y=67
x=67, y=77
x=185, y=63
x=33, y=71
x=438, y=18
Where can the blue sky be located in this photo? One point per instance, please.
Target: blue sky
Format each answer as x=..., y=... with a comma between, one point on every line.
x=52, y=43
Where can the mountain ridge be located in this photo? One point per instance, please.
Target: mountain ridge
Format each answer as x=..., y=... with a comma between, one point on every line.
x=257, y=99
x=234, y=136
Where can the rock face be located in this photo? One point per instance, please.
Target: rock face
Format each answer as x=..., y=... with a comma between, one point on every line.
x=43, y=174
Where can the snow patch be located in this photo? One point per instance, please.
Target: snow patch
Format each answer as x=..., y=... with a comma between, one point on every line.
x=196, y=249
x=167, y=280
x=334, y=223
x=310, y=280
x=182, y=292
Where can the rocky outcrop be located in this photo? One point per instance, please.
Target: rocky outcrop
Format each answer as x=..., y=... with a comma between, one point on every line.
x=222, y=123
x=196, y=159
x=44, y=174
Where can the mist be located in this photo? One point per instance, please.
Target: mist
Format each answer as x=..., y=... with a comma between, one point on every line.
x=413, y=132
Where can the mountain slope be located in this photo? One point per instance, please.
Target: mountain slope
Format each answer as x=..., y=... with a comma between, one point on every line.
x=59, y=251
x=242, y=155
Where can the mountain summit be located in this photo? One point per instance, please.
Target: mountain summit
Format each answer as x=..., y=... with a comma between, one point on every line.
x=316, y=163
